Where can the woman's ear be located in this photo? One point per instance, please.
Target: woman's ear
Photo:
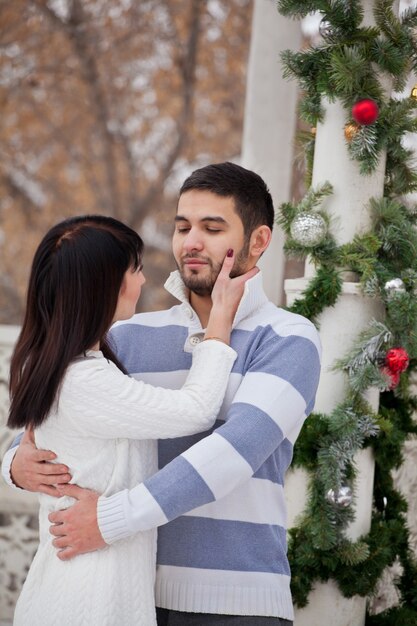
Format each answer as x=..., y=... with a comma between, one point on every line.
x=259, y=240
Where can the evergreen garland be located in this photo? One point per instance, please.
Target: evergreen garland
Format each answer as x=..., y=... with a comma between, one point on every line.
x=348, y=65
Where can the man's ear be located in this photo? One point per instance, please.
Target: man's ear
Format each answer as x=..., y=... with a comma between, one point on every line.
x=259, y=240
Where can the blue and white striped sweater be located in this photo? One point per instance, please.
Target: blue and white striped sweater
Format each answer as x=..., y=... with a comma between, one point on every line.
x=224, y=548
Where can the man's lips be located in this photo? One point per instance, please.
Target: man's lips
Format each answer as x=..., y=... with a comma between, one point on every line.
x=194, y=262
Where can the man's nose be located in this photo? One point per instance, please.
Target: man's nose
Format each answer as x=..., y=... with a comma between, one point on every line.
x=193, y=241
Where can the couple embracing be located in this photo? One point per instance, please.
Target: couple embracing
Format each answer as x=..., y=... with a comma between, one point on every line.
x=224, y=380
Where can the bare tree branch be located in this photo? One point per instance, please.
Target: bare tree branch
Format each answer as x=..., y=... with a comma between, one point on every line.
x=29, y=208
x=188, y=64
x=59, y=137
x=75, y=28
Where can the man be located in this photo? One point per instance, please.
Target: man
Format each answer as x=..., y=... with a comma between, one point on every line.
x=218, y=498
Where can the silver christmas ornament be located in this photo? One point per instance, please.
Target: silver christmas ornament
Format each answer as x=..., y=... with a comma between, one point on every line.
x=394, y=287
x=325, y=28
x=341, y=497
x=308, y=229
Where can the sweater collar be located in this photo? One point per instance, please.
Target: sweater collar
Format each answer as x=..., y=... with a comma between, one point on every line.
x=253, y=296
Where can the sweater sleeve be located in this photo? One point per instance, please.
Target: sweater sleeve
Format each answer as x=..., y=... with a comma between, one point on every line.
x=99, y=400
x=275, y=396
x=8, y=459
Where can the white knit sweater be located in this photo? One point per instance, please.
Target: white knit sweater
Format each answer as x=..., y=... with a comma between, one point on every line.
x=101, y=429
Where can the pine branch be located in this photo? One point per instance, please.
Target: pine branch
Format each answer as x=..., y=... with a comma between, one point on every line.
x=364, y=147
x=298, y=9
x=409, y=18
x=370, y=343
x=353, y=553
x=322, y=291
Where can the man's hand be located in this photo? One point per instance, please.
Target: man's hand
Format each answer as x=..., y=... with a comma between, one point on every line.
x=32, y=471
x=76, y=529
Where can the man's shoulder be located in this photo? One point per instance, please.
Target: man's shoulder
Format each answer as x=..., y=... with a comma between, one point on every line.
x=149, y=333
x=152, y=342
x=273, y=328
x=150, y=319
x=281, y=320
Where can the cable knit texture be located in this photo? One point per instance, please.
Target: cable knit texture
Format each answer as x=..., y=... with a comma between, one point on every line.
x=101, y=428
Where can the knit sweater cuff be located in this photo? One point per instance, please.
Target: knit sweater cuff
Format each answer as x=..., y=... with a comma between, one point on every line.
x=6, y=467
x=111, y=517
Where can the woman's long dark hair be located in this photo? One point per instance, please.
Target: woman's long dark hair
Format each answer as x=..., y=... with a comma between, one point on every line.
x=76, y=276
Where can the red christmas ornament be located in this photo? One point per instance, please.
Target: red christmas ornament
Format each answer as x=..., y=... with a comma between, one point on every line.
x=365, y=112
x=397, y=360
x=393, y=377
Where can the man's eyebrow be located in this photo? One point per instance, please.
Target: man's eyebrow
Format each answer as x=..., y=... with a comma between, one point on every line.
x=209, y=218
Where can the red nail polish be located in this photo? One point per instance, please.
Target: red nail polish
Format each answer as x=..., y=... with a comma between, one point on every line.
x=229, y=252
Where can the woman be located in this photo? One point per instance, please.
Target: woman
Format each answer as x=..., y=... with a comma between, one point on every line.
x=67, y=385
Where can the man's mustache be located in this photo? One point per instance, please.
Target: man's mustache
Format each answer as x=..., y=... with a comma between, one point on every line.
x=196, y=256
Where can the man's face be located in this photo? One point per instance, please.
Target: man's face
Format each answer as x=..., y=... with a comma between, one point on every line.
x=206, y=226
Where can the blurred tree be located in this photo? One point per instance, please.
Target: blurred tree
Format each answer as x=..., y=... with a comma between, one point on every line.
x=105, y=106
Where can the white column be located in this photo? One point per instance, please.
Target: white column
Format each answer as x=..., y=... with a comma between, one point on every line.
x=270, y=121
x=339, y=326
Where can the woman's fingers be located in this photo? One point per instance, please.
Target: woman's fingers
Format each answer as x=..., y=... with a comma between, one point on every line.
x=227, y=265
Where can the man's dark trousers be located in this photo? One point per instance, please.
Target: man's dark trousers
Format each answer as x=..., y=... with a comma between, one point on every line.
x=166, y=617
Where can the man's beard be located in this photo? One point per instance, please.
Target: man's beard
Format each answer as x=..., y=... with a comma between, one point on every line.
x=203, y=285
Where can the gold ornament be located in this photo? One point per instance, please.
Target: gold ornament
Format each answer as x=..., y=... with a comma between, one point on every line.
x=350, y=131
x=414, y=92
x=313, y=131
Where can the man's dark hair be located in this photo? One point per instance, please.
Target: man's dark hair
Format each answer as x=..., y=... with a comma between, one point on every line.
x=253, y=202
